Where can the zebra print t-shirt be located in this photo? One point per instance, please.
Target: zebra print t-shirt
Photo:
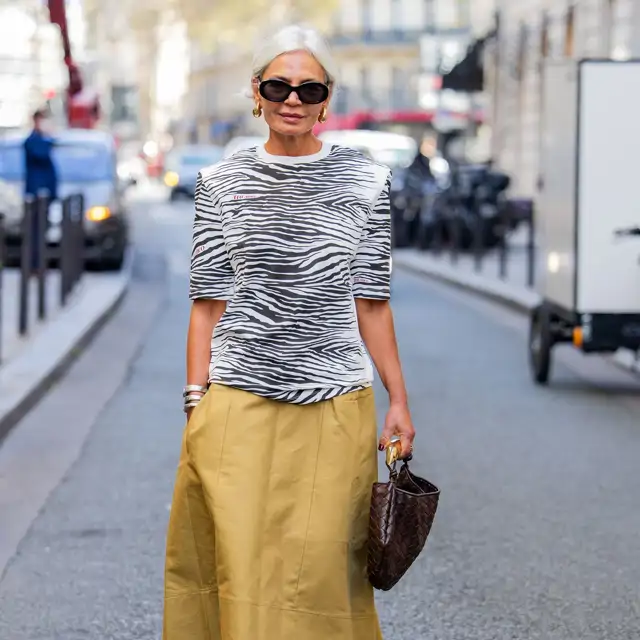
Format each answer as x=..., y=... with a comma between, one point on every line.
x=289, y=242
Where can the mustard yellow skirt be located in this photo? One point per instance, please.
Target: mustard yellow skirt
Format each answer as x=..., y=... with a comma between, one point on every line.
x=268, y=527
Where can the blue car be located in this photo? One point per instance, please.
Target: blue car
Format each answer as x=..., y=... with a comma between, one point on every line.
x=183, y=164
x=86, y=162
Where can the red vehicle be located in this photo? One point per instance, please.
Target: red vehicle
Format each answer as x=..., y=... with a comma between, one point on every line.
x=409, y=122
x=83, y=107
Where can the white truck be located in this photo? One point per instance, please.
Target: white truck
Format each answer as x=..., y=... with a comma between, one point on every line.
x=588, y=211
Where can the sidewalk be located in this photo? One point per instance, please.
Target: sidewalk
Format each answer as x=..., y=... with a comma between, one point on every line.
x=11, y=341
x=31, y=364
x=512, y=291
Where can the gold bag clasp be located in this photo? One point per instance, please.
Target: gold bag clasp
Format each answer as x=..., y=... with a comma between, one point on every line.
x=394, y=449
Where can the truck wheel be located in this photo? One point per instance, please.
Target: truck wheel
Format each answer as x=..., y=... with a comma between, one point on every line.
x=540, y=345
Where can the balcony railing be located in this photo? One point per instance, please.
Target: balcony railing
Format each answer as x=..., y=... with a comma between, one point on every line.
x=386, y=37
x=375, y=37
x=351, y=99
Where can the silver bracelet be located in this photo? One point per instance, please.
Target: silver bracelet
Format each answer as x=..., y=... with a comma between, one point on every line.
x=194, y=387
x=191, y=402
x=192, y=394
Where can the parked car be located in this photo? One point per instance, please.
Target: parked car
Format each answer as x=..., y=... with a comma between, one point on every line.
x=86, y=161
x=183, y=164
x=242, y=142
x=10, y=202
x=393, y=149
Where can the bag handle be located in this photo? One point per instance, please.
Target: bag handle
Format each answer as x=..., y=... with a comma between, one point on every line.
x=393, y=451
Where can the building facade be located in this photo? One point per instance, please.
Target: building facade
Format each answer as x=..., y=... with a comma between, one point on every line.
x=380, y=47
x=32, y=71
x=531, y=33
x=113, y=66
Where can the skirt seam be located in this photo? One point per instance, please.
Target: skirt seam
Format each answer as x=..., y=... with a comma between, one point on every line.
x=224, y=438
x=195, y=543
x=323, y=408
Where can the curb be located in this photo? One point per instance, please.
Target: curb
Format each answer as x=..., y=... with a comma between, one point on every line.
x=29, y=397
x=476, y=284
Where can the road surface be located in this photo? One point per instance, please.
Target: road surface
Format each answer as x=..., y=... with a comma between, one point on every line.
x=537, y=532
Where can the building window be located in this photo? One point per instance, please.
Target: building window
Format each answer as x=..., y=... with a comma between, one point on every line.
x=366, y=17
x=464, y=13
x=521, y=54
x=396, y=15
x=398, y=87
x=569, y=37
x=430, y=15
x=365, y=88
x=608, y=27
x=336, y=21
x=544, y=38
x=446, y=15
x=340, y=103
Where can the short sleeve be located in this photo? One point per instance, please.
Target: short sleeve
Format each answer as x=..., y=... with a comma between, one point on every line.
x=211, y=274
x=371, y=265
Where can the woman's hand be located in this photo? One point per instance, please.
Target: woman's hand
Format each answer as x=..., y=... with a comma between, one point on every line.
x=398, y=422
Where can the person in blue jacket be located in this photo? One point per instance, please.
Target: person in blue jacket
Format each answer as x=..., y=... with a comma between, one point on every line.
x=40, y=170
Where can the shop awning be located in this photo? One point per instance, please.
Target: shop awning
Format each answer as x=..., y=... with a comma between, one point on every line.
x=468, y=75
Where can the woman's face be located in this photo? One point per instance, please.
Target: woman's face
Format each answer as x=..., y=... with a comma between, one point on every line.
x=292, y=117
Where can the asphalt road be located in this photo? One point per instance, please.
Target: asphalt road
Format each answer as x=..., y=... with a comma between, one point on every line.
x=537, y=536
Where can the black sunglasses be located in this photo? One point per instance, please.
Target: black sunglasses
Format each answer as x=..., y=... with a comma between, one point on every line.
x=308, y=92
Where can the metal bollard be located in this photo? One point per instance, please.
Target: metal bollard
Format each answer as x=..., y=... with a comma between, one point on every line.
x=77, y=237
x=503, y=248
x=455, y=234
x=65, y=249
x=531, y=248
x=42, y=258
x=80, y=237
x=26, y=264
x=478, y=242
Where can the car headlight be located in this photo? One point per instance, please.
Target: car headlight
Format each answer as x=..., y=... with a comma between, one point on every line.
x=98, y=214
x=171, y=179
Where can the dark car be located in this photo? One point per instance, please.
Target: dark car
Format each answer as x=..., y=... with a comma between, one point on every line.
x=183, y=164
x=86, y=161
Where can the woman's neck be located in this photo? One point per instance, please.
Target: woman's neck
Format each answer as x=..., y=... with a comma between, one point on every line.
x=280, y=145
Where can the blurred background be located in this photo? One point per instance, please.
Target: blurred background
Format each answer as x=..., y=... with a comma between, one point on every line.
x=515, y=233
x=166, y=73
x=171, y=72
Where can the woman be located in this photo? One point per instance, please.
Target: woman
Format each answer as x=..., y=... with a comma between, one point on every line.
x=268, y=529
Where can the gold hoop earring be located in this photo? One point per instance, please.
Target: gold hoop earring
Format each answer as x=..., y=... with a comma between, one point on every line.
x=323, y=115
x=257, y=111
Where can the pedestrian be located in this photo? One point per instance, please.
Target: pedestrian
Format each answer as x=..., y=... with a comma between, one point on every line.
x=40, y=169
x=40, y=172
x=290, y=273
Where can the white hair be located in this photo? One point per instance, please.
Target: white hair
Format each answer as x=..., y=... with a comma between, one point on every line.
x=295, y=38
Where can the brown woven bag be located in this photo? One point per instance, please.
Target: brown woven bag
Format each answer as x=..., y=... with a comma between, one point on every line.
x=402, y=513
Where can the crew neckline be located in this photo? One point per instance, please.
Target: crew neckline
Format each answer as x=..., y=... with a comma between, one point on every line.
x=263, y=154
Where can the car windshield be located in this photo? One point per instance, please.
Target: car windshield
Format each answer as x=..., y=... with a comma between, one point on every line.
x=394, y=158
x=193, y=159
x=81, y=162
x=198, y=161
